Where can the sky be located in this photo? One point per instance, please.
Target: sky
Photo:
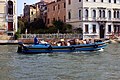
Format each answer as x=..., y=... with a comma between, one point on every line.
x=20, y=5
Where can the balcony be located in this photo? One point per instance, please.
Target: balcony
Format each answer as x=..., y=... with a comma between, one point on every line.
x=9, y=18
x=101, y=19
x=116, y=19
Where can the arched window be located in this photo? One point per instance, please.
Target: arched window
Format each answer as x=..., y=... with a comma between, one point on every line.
x=94, y=13
x=100, y=13
x=103, y=13
x=86, y=13
x=10, y=7
x=109, y=14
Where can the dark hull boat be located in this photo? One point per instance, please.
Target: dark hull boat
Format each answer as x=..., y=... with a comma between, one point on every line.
x=47, y=48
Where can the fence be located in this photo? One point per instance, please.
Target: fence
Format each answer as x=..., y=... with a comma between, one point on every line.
x=50, y=36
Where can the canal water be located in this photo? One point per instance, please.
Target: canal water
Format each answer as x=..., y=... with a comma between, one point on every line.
x=62, y=66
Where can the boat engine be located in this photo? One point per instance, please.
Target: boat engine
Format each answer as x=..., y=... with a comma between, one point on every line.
x=20, y=44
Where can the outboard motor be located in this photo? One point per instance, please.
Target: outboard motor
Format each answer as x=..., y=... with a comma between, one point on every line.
x=20, y=45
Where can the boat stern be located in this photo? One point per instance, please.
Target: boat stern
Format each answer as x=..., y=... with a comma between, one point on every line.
x=20, y=47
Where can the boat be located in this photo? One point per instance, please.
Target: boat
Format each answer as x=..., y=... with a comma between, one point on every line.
x=48, y=48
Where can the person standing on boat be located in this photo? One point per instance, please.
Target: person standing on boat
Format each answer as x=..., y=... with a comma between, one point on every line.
x=36, y=40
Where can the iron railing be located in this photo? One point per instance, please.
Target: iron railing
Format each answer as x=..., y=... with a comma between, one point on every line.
x=50, y=36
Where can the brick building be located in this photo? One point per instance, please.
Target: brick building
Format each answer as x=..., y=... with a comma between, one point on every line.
x=56, y=10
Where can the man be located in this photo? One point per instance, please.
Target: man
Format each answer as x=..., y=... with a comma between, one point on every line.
x=36, y=40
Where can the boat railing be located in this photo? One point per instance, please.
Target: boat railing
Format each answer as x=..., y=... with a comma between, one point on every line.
x=50, y=36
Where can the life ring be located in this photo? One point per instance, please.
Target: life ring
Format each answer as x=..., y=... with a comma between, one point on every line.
x=95, y=46
x=72, y=48
x=50, y=47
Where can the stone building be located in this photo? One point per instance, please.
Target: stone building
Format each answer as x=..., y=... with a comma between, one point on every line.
x=56, y=10
x=8, y=17
x=34, y=11
x=97, y=18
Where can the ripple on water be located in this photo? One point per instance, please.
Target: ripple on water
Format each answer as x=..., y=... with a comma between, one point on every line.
x=62, y=66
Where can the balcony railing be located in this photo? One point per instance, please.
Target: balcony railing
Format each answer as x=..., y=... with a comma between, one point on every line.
x=9, y=18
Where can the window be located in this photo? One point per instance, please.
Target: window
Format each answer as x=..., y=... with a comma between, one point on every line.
x=114, y=14
x=94, y=0
x=109, y=1
x=79, y=14
x=53, y=8
x=109, y=28
x=94, y=28
x=114, y=1
x=69, y=15
x=109, y=14
x=94, y=14
x=86, y=13
x=118, y=14
x=32, y=13
x=58, y=6
x=69, y=2
x=100, y=13
x=103, y=13
x=86, y=28
x=64, y=5
x=10, y=26
x=10, y=7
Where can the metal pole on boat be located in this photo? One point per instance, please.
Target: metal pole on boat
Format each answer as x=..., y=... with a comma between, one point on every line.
x=58, y=33
x=26, y=32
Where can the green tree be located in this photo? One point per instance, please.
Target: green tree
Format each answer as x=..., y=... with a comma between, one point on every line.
x=37, y=26
x=59, y=25
x=68, y=28
x=78, y=30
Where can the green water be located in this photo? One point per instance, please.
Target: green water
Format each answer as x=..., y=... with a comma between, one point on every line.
x=62, y=66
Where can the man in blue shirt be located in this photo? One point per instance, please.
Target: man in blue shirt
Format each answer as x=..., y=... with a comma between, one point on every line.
x=36, y=40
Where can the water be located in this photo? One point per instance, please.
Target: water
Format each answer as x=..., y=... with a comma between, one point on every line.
x=62, y=66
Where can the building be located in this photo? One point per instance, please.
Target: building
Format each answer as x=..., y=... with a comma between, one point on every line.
x=56, y=10
x=29, y=12
x=97, y=18
x=48, y=0
x=34, y=11
x=8, y=17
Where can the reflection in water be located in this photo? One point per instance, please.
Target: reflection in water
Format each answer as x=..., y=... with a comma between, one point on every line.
x=60, y=66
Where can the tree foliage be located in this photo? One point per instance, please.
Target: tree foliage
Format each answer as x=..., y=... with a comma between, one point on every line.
x=62, y=27
x=21, y=26
x=36, y=26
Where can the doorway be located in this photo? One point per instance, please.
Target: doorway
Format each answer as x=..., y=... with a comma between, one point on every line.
x=102, y=31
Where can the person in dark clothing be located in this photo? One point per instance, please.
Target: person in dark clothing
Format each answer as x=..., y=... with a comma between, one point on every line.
x=36, y=40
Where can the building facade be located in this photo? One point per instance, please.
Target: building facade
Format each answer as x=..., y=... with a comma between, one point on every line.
x=56, y=10
x=34, y=11
x=29, y=12
x=97, y=18
x=8, y=17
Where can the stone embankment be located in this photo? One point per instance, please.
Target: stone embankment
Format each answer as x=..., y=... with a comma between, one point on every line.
x=2, y=42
